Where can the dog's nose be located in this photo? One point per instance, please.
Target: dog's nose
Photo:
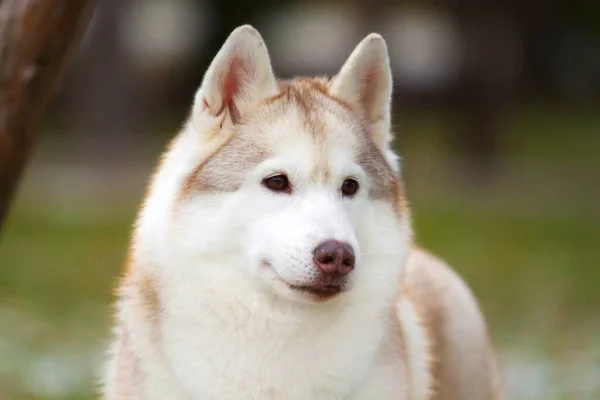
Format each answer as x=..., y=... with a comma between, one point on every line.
x=335, y=258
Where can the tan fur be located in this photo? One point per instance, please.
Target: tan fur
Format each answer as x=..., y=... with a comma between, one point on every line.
x=142, y=290
x=398, y=336
x=465, y=364
x=128, y=368
x=405, y=291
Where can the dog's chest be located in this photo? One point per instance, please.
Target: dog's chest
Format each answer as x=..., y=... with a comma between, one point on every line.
x=255, y=358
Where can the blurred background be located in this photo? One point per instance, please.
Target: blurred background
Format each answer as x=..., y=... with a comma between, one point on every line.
x=497, y=117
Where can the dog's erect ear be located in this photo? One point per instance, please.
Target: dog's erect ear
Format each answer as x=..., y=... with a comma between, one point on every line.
x=238, y=78
x=365, y=82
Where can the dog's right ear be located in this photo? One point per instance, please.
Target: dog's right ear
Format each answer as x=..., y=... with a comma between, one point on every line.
x=239, y=77
x=365, y=82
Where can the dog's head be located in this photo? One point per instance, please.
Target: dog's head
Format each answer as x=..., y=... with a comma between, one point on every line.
x=291, y=182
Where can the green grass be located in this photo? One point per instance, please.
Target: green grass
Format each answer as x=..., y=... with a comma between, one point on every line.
x=522, y=270
x=55, y=287
x=52, y=263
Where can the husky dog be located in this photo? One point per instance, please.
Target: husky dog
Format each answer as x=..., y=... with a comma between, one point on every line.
x=273, y=259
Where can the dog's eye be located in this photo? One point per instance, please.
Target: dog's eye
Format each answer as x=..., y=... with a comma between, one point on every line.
x=349, y=187
x=278, y=183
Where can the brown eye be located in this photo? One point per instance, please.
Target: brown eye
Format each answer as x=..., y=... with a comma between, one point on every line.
x=349, y=187
x=277, y=183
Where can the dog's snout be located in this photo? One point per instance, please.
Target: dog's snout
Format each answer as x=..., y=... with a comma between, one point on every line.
x=335, y=258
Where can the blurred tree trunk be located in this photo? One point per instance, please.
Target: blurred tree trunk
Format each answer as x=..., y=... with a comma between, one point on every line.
x=36, y=40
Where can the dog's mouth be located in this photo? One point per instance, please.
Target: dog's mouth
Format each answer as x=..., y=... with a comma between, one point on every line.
x=321, y=289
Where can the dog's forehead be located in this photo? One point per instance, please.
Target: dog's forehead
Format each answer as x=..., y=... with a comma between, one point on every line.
x=305, y=112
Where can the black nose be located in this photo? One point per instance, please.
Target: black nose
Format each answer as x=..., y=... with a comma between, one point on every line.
x=335, y=258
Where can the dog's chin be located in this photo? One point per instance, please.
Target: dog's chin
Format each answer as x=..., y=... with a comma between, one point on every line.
x=317, y=291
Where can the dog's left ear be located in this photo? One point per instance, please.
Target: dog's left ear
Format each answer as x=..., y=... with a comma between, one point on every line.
x=365, y=82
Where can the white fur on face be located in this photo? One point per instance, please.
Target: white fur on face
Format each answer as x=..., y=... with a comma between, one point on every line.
x=273, y=236
x=281, y=242
x=311, y=138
